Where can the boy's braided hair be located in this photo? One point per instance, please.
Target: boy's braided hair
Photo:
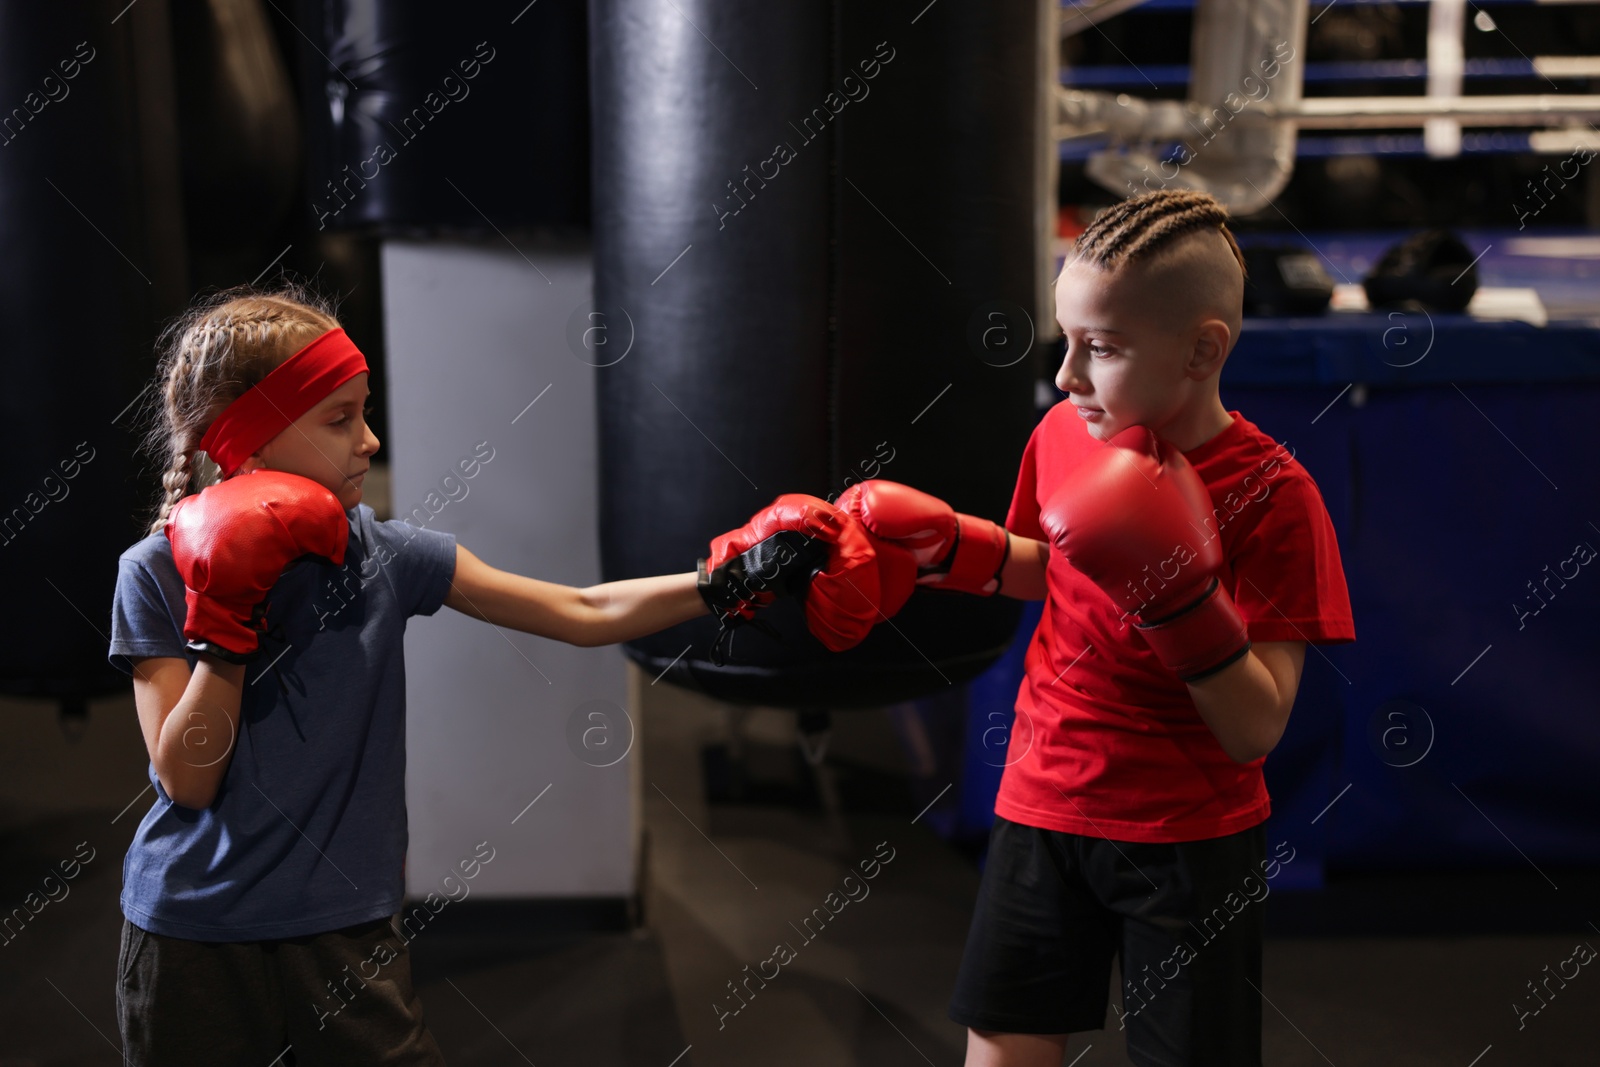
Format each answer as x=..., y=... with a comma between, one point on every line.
x=224, y=344
x=1140, y=226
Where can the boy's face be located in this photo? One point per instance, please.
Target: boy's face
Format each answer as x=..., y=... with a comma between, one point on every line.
x=1125, y=364
x=331, y=444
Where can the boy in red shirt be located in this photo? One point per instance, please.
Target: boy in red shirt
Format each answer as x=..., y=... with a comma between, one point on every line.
x=1186, y=559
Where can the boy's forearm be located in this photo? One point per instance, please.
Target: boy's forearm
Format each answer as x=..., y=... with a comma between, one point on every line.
x=1023, y=576
x=633, y=607
x=1243, y=707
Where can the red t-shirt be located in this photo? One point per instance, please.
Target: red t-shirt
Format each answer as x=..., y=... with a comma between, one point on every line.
x=1107, y=741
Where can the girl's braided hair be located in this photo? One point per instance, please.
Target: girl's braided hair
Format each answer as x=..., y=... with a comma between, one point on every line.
x=1143, y=225
x=222, y=345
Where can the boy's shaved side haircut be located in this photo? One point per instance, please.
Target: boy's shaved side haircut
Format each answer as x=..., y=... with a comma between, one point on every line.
x=1140, y=226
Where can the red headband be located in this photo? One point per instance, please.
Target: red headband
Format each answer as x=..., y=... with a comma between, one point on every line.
x=290, y=390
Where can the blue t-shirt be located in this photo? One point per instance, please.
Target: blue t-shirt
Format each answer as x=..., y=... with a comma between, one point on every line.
x=308, y=829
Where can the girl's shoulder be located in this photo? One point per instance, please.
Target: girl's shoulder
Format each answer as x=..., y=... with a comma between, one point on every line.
x=153, y=552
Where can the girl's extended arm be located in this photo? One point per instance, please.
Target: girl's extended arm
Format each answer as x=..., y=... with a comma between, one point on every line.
x=190, y=721
x=602, y=614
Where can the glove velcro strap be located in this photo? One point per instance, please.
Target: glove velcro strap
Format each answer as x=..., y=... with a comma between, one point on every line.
x=228, y=631
x=977, y=557
x=725, y=594
x=1201, y=639
x=210, y=648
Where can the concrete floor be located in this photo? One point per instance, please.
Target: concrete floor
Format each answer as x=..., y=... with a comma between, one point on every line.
x=725, y=883
x=872, y=988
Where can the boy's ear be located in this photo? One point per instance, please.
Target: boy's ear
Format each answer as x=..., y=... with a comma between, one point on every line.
x=1210, y=348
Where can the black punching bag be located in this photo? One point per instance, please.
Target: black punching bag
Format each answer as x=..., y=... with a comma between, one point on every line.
x=239, y=131
x=811, y=234
x=91, y=243
x=423, y=120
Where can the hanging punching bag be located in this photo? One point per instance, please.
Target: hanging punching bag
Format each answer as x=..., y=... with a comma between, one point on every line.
x=807, y=237
x=421, y=121
x=239, y=132
x=91, y=242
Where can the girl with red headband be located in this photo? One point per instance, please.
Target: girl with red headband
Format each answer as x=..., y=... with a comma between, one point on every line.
x=259, y=887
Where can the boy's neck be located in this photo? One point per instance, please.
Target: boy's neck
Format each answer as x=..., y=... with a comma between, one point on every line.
x=1194, y=429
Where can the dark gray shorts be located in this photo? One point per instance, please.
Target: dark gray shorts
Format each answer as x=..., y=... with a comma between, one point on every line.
x=337, y=998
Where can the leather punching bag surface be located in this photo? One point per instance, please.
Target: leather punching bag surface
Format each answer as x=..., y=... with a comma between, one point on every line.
x=810, y=234
x=239, y=131
x=420, y=120
x=91, y=243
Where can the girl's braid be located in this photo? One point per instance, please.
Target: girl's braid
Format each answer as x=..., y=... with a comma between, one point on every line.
x=212, y=353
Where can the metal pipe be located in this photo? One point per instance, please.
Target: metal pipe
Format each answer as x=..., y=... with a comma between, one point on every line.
x=1130, y=118
x=1080, y=17
x=1368, y=111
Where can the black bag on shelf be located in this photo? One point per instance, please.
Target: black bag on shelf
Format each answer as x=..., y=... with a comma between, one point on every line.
x=1433, y=268
x=1285, y=280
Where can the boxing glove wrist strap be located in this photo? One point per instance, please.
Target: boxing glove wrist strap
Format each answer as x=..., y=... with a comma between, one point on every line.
x=727, y=591
x=976, y=558
x=1199, y=640
x=211, y=648
x=229, y=631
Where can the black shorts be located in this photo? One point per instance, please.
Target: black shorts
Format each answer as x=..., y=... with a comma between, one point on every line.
x=1184, y=919
x=335, y=999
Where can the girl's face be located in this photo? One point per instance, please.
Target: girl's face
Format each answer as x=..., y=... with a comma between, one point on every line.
x=331, y=444
x=1123, y=367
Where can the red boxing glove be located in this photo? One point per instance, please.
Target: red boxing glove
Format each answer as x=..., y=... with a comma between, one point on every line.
x=895, y=565
x=776, y=552
x=1126, y=518
x=953, y=551
x=232, y=540
x=868, y=579
x=804, y=546
x=798, y=545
